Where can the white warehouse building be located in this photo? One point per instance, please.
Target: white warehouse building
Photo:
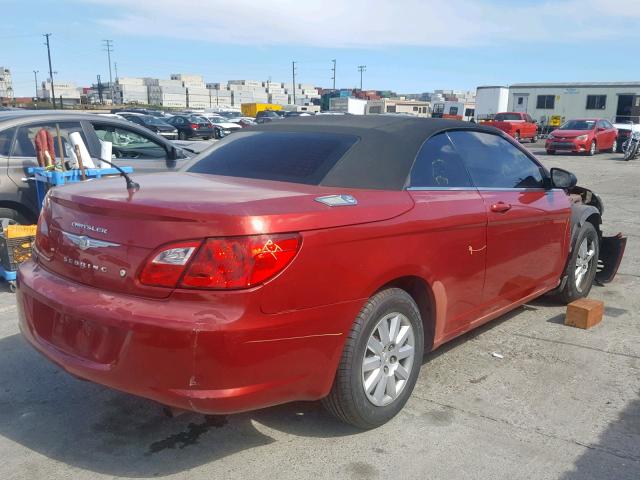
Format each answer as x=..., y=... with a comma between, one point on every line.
x=614, y=101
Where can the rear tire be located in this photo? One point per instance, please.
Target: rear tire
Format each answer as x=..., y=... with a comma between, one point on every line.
x=13, y=216
x=376, y=374
x=534, y=139
x=614, y=146
x=582, y=266
x=517, y=137
x=551, y=152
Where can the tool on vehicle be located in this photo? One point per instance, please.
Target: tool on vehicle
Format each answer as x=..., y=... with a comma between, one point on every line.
x=80, y=162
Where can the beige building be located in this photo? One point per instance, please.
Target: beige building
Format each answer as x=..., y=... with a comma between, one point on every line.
x=389, y=105
x=614, y=101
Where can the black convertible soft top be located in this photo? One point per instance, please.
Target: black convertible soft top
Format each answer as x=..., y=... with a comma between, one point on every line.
x=387, y=146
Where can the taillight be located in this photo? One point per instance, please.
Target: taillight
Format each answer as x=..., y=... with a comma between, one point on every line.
x=223, y=263
x=166, y=266
x=194, y=126
x=43, y=242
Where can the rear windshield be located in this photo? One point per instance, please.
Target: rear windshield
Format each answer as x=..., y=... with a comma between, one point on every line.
x=503, y=117
x=281, y=156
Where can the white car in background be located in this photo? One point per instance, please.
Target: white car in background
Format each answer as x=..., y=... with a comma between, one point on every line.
x=221, y=121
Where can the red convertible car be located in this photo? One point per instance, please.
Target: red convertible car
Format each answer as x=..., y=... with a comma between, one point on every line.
x=306, y=259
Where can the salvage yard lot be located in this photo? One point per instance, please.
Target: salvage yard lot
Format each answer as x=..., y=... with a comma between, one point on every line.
x=561, y=403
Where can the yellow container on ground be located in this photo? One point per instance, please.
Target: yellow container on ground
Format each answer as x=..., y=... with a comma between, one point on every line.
x=252, y=109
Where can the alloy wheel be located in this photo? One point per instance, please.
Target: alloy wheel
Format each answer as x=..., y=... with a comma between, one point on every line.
x=586, y=253
x=388, y=359
x=592, y=150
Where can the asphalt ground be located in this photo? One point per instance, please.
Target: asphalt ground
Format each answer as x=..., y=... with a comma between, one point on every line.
x=562, y=403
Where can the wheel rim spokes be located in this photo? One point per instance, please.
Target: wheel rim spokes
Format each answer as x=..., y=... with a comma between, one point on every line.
x=586, y=253
x=388, y=359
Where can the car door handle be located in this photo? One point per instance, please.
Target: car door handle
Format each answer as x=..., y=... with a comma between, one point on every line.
x=500, y=207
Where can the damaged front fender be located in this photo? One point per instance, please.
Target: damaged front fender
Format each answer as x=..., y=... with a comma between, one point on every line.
x=588, y=206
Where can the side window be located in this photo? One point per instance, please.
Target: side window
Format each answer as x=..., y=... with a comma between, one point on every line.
x=6, y=139
x=179, y=120
x=438, y=165
x=24, y=145
x=607, y=124
x=493, y=162
x=129, y=144
x=601, y=124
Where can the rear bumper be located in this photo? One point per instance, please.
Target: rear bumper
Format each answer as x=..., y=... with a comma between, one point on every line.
x=208, y=352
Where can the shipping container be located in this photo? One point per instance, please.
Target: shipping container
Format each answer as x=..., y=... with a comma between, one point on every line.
x=252, y=109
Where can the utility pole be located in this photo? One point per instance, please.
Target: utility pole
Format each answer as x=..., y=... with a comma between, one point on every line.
x=35, y=77
x=293, y=72
x=115, y=68
x=100, y=90
x=361, y=68
x=108, y=46
x=53, y=92
x=334, y=73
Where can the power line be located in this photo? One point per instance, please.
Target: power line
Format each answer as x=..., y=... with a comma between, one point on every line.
x=334, y=73
x=53, y=92
x=108, y=44
x=361, y=68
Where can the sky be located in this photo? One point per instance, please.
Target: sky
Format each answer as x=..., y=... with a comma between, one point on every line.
x=409, y=46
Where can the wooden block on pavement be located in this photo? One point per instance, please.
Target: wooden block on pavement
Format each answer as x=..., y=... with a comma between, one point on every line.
x=584, y=313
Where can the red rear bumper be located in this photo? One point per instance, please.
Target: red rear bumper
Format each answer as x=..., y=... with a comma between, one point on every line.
x=212, y=352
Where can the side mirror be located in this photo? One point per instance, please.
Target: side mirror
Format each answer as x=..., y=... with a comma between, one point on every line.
x=175, y=153
x=562, y=179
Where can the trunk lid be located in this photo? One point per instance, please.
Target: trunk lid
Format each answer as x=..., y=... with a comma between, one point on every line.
x=101, y=235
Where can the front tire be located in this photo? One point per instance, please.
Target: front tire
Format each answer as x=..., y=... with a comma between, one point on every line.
x=182, y=135
x=593, y=149
x=517, y=137
x=534, y=139
x=380, y=362
x=583, y=264
x=551, y=152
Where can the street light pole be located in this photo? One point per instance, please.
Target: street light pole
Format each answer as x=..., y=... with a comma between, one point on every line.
x=35, y=77
x=334, y=73
x=293, y=72
x=361, y=68
x=53, y=92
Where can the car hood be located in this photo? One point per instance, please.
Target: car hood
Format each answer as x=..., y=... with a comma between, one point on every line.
x=571, y=133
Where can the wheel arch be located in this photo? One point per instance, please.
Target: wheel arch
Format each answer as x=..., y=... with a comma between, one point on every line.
x=421, y=292
x=581, y=214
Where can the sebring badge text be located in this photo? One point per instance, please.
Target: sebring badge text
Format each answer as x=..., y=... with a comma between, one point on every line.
x=84, y=265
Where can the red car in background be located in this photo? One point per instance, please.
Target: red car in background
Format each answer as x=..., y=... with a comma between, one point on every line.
x=515, y=124
x=587, y=135
x=306, y=259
